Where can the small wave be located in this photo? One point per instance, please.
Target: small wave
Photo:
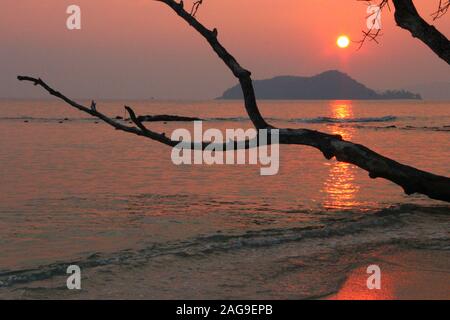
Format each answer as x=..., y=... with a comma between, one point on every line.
x=344, y=120
x=350, y=122
x=231, y=119
x=313, y=120
x=425, y=128
x=41, y=119
x=408, y=127
x=392, y=225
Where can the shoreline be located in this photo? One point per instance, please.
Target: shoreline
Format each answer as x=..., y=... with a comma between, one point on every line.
x=411, y=274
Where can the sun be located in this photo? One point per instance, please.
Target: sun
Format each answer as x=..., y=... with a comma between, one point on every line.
x=343, y=42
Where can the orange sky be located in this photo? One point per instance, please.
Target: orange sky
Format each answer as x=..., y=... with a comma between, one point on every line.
x=140, y=48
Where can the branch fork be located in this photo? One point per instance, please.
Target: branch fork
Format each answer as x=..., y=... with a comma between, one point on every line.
x=412, y=180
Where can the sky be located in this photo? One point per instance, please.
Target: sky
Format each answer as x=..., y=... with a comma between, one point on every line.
x=140, y=49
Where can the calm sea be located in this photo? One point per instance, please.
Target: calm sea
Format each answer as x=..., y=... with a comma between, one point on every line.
x=76, y=191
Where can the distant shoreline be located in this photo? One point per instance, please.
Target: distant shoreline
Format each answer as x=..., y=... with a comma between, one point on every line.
x=332, y=84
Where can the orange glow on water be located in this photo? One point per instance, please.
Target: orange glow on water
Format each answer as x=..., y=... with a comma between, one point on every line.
x=339, y=186
x=342, y=110
x=355, y=288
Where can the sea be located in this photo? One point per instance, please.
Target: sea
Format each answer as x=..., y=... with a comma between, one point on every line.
x=74, y=191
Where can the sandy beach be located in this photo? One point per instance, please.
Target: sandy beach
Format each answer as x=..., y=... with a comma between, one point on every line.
x=408, y=275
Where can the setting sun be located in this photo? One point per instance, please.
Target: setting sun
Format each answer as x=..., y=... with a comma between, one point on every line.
x=343, y=42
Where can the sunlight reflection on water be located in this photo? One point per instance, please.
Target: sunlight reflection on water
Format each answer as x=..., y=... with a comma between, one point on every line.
x=77, y=186
x=339, y=186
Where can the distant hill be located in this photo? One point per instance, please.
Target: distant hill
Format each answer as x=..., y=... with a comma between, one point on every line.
x=433, y=91
x=329, y=85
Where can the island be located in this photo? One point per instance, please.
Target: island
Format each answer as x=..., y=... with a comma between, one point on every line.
x=329, y=85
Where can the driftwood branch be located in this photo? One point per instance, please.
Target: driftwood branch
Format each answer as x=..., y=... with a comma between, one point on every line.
x=412, y=180
x=140, y=129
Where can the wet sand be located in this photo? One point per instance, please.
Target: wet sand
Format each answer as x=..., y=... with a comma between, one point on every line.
x=406, y=275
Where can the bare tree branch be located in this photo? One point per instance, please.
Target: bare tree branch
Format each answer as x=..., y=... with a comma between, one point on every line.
x=443, y=7
x=195, y=6
x=373, y=34
x=412, y=180
x=408, y=18
x=141, y=129
x=242, y=74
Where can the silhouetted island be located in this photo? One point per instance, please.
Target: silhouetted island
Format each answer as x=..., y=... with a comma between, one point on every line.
x=329, y=85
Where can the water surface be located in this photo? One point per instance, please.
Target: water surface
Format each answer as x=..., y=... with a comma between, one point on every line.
x=77, y=191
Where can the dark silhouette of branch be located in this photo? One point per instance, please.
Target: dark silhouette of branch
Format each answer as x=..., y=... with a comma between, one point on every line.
x=140, y=129
x=408, y=18
x=373, y=34
x=195, y=7
x=412, y=180
x=442, y=9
